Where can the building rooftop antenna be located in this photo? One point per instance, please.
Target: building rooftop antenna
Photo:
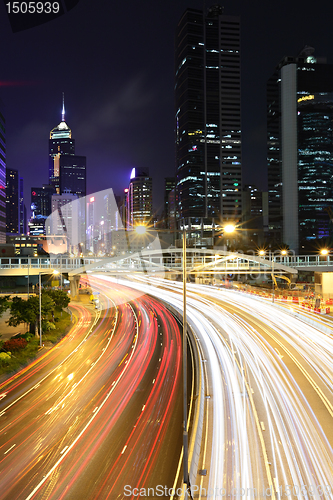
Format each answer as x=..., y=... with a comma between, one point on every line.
x=63, y=107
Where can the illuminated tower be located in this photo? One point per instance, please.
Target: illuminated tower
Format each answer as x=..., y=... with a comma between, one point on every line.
x=139, y=198
x=67, y=171
x=208, y=118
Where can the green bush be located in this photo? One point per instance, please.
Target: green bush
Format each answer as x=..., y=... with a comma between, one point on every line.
x=48, y=325
x=4, y=357
x=27, y=336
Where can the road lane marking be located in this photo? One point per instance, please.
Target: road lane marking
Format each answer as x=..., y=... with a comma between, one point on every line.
x=95, y=409
x=276, y=484
x=124, y=449
x=9, y=449
x=262, y=426
x=54, y=467
x=57, y=367
x=3, y=395
x=63, y=450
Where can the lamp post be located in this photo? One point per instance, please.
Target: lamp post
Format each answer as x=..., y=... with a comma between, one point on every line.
x=40, y=308
x=227, y=229
x=324, y=252
x=56, y=272
x=185, y=435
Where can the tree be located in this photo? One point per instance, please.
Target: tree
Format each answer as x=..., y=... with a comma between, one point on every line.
x=27, y=311
x=4, y=304
x=59, y=297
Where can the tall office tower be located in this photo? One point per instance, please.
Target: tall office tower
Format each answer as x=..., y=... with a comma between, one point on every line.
x=72, y=176
x=65, y=220
x=2, y=176
x=139, y=198
x=208, y=118
x=169, y=185
x=22, y=209
x=66, y=170
x=41, y=206
x=255, y=214
x=12, y=201
x=300, y=148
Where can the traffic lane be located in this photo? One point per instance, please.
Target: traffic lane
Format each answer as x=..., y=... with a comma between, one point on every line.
x=306, y=353
x=90, y=456
x=47, y=426
x=296, y=435
x=27, y=377
x=292, y=425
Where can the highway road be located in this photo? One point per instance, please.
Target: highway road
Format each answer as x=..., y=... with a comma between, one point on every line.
x=269, y=395
x=101, y=410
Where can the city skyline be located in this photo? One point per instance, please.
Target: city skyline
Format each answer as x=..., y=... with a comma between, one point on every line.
x=121, y=105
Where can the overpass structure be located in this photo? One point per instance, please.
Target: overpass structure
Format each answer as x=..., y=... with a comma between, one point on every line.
x=167, y=262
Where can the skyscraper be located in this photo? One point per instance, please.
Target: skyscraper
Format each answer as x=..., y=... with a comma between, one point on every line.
x=12, y=201
x=139, y=198
x=2, y=176
x=67, y=171
x=300, y=148
x=169, y=185
x=208, y=118
x=41, y=199
x=22, y=209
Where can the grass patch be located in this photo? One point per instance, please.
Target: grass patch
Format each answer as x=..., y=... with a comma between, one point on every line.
x=21, y=358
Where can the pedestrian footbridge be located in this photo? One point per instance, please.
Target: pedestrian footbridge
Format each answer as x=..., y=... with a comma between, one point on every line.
x=203, y=261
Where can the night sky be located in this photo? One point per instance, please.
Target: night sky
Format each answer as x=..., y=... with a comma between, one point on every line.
x=115, y=63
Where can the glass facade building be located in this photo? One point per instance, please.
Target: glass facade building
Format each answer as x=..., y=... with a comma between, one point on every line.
x=300, y=149
x=67, y=171
x=12, y=201
x=208, y=118
x=139, y=198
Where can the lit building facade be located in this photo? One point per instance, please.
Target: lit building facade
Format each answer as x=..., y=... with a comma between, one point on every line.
x=208, y=119
x=67, y=171
x=169, y=185
x=12, y=201
x=2, y=176
x=139, y=198
x=64, y=220
x=255, y=214
x=72, y=176
x=300, y=148
x=41, y=206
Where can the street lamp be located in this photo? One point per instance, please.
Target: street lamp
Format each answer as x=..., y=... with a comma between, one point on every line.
x=56, y=272
x=185, y=435
x=229, y=228
x=40, y=307
x=140, y=229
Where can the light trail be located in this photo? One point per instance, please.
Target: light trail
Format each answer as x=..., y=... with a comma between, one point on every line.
x=290, y=391
x=78, y=431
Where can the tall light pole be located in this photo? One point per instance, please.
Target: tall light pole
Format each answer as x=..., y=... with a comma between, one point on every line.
x=40, y=309
x=227, y=229
x=185, y=435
